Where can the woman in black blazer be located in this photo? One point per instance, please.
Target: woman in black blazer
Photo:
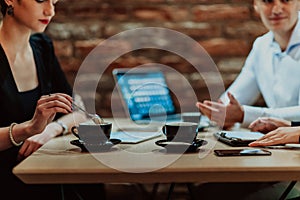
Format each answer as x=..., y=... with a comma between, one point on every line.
x=35, y=97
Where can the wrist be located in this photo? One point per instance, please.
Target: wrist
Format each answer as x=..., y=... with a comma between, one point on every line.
x=28, y=129
x=20, y=132
x=12, y=137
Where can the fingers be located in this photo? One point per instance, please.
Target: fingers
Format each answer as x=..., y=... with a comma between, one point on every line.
x=51, y=118
x=267, y=124
x=22, y=151
x=232, y=99
x=54, y=107
x=209, y=111
x=258, y=125
x=55, y=95
x=269, y=139
x=207, y=106
x=266, y=142
x=59, y=98
x=27, y=149
x=272, y=138
x=215, y=112
x=59, y=101
x=254, y=123
x=46, y=109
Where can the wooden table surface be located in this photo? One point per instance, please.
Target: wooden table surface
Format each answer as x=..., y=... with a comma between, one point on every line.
x=60, y=162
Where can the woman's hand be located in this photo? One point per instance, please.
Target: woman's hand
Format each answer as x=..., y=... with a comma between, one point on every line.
x=34, y=142
x=46, y=109
x=267, y=124
x=282, y=135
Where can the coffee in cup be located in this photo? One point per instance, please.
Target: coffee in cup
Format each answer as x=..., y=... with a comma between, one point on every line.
x=93, y=133
x=180, y=131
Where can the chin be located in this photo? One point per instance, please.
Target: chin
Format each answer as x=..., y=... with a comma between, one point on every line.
x=39, y=29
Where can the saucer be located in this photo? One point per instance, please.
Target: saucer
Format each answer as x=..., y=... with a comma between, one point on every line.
x=181, y=147
x=104, y=147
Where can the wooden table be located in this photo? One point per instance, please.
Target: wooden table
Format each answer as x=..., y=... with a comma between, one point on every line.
x=60, y=162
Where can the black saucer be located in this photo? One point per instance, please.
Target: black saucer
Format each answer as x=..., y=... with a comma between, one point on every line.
x=104, y=147
x=180, y=147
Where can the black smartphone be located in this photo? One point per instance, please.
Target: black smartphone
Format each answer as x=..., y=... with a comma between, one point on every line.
x=242, y=152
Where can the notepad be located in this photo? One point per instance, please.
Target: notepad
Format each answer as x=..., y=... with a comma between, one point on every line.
x=243, y=135
x=238, y=138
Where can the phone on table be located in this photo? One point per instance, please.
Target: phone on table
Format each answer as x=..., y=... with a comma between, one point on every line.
x=242, y=152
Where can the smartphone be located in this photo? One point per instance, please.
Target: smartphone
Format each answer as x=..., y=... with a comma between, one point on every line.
x=242, y=152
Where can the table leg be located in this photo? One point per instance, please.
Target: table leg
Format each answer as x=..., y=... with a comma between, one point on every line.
x=172, y=186
x=287, y=190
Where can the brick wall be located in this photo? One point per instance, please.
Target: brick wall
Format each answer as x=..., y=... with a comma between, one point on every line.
x=225, y=28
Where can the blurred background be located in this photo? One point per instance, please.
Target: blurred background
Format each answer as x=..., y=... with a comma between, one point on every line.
x=225, y=28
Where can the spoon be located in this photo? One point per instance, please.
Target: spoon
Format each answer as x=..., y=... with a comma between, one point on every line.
x=96, y=118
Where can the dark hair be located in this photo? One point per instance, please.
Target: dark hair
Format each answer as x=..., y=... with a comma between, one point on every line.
x=3, y=7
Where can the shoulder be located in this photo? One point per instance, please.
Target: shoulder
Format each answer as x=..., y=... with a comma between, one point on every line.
x=264, y=40
x=41, y=39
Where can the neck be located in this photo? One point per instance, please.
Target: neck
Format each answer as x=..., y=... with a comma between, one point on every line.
x=13, y=36
x=283, y=39
x=14, y=40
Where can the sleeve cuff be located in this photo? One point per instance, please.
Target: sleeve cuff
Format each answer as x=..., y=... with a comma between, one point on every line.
x=251, y=113
x=295, y=123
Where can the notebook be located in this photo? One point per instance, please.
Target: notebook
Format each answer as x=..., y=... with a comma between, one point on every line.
x=145, y=94
x=238, y=138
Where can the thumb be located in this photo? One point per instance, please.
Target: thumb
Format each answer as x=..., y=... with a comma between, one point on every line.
x=51, y=118
x=232, y=99
x=220, y=101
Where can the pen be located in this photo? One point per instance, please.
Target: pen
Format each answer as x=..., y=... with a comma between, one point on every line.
x=96, y=118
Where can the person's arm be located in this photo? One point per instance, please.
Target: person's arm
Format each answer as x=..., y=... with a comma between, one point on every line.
x=54, y=80
x=52, y=130
x=224, y=115
x=267, y=124
x=47, y=107
x=55, y=128
x=62, y=123
x=282, y=135
x=287, y=113
x=244, y=90
x=19, y=133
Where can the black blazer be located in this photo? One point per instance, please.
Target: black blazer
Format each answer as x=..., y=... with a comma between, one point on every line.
x=51, y=79
x=50, y=76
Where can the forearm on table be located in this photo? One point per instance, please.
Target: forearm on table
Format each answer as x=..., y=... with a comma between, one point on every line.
x=287, y=113
x=19, y=132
